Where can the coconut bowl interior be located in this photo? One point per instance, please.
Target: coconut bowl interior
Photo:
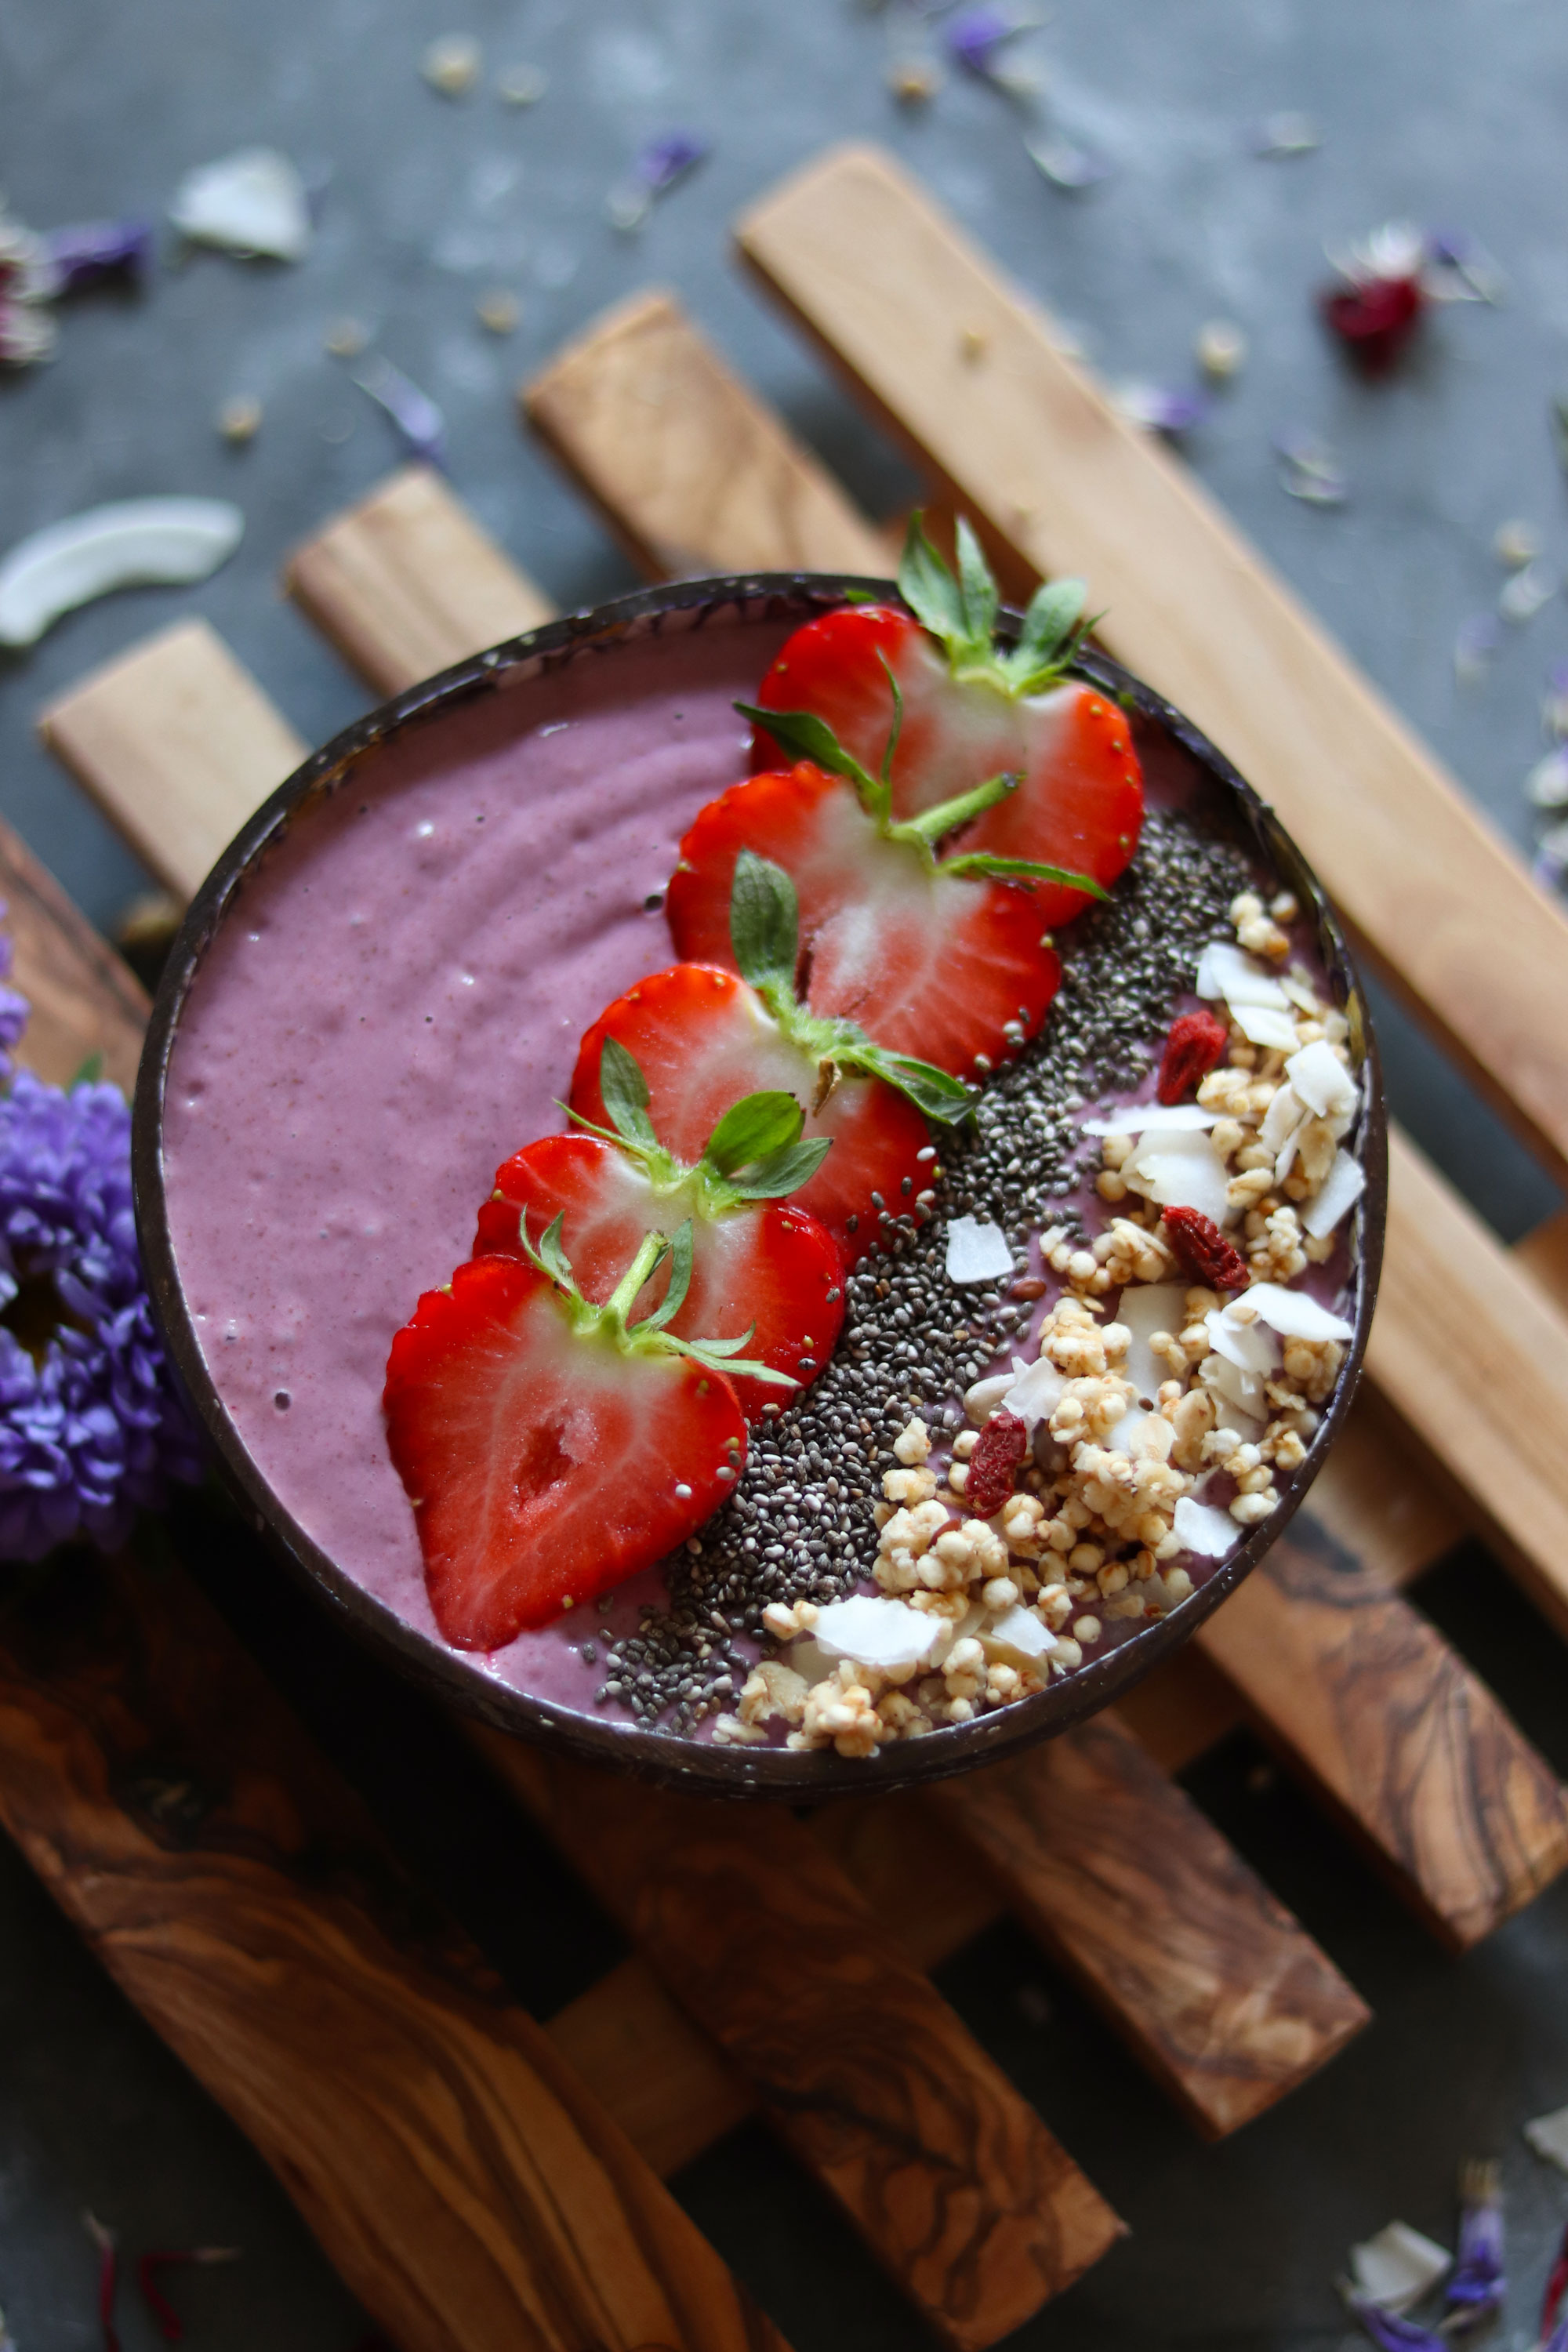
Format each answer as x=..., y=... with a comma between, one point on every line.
x=521, y=672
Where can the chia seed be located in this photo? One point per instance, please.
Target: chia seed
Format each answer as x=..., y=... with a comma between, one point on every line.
x=907, y=1344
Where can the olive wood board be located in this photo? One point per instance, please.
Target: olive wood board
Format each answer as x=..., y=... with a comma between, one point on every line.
x=968, y=374
x=469, y=2188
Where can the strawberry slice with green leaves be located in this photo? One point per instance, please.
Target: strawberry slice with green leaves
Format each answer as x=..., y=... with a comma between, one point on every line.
x=704, y=1039
x=552, y=1447
x=972, y=708
x=945, y=957
x=758, y=1260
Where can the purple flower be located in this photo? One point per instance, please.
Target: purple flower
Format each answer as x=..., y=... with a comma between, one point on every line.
x=1395, y=2333
x=663, y=161
x=1162, y=408
x=69, y=258
x=976, y=38
x=92, y=1426
x=1476, y=2286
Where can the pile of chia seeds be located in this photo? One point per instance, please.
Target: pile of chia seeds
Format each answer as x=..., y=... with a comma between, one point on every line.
x=799, y=1525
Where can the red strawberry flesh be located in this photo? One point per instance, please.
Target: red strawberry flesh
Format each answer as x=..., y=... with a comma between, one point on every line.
x=544, y=1466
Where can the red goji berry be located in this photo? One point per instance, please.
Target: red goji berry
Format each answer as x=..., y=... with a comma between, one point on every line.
x=1003, y=1444
x=1194, y=1045
x=1205, y=1251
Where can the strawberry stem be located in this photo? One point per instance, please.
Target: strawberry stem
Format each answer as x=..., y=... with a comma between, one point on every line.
x=652, y=1248
x=933, y=824
x=961, y=613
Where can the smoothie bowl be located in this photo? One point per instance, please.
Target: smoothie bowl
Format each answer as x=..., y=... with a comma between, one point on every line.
x=786, y=1285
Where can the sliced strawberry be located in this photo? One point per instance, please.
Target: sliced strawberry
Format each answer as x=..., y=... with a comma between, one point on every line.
x=761, y=1269
x=549, y=1449
x=970, y=710
x=704, y=1040
x=925, y=960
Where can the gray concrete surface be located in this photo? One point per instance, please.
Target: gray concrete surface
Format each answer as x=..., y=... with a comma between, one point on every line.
x=1449, y=114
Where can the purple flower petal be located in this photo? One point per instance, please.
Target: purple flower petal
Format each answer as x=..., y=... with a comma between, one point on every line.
x=1162, y=408
x=668, y=158
x=974, y=37
x=1064, y=165
x=89, y=251
x=1476, y=2287
x=414, y=414
x=1395, y=2333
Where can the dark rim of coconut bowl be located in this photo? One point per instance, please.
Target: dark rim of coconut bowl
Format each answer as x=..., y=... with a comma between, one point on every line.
x=652, y=1754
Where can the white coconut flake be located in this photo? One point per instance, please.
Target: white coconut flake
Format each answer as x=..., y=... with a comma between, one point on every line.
x=1548, y=2136
x=1262, y=1024
x=1143, y=1119
x=977, y=1252
x=1239, y=979
x=1251, y=1345
x=1280, y=1120
x=1242, y=1390
x=1322, y=1080
x=1181, y=1170
x=1341, y=1190
x=1035, y=1392
x=1398, y=2266
x=884, y=1634
x=1019, y=1632
x=1201, y=1530
x=1294, y=1314
x=135, y=542
x=1146, y=1308
x=252, y=204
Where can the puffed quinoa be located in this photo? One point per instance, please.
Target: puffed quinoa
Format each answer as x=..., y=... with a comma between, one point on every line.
x=915, y=1485
x=912, y=1442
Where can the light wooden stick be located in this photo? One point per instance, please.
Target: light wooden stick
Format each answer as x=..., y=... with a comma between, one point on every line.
x=689, y=470
x=178, y=745
x=406, y=582
x=965, y=371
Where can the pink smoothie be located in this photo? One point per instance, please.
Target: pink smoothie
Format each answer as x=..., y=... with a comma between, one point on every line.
x=391, y=1008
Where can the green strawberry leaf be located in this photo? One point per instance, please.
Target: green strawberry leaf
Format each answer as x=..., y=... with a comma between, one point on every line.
x=679, y=1281
x=784, y=1172
x=929, y=588
x=804, y=736
x=765, y=924
x=752, y=1129
x=625, y=1090
x=940, y=1095
x=979, y=865
x=894, y=731
x=978, y=589
x=1050, y=633
x=715, y=1356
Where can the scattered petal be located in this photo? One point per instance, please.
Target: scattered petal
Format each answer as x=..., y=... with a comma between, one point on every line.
x=1457, y=269
x=1287, y=133
x=1310, y=470
x=978, y=40
x=252, y=205
x=26, y=335
x=522, y=86
x=1476, y=643
x=1397, y=2266
x=1221, y=350
x=1548, y=2136
x=413, y=413
x=1516, y=543
x=1394, y=2333
x=239, y=420
x=1477, y=2288
x=90, y=251
x=452, y=64
x=1160, y=408
x=499, y=312
x=659, y=166
x=1064, y=165
x=133, y=543
x=1546, y=786
x=1526, y=592
x=977, y=1252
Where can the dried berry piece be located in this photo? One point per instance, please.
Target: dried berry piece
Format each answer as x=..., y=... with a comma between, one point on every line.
x=1205, y=1251
x=1194, y=1046
x=1003, y=1444
x=1374, y=318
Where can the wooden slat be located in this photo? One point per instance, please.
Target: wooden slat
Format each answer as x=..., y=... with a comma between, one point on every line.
x=1190, y=1958
x=84, y=999
x=1426, y=1771
x=1378, y=1486
x=690, y=472
x=957, y=2187
x=465, y=2184
x=178, y=745
x=406, y=582
x=963, y=369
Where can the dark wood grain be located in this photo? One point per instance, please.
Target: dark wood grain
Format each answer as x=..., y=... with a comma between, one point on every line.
x=1223, y=1996
x=1388, y=1725
x=955, y=2184
x=467, y=2188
